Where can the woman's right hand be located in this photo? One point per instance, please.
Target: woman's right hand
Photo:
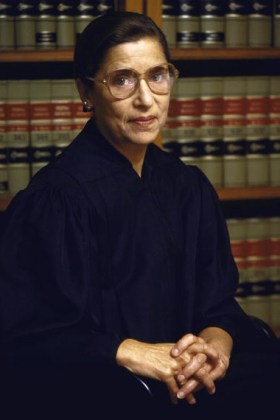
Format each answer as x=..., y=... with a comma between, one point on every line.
x=154, y=361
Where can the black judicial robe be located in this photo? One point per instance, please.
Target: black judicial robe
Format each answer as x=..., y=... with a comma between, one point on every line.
x=90, y=254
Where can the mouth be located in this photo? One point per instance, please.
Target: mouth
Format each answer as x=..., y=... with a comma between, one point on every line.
x=144, y=121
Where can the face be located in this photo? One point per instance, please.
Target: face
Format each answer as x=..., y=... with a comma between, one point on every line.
x=139, y=118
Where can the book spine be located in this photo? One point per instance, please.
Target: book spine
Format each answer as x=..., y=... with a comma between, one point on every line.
x=62, y=112
x=45, y=27
x=258, y=264
x=3, y=138
x=274, y=229
x=260, y=23
x=7, y=25
x=18, y=135
x=236, y=24
x=276, y=24
x=234, y=114
x=40, y=124
x=186, y=120
x=212, y=129
x=104, y=6
x=65, y=28
x=85, y=12
x=25, y=25
x=257, y=130
x=212, y=23
x=274, y=225
x=188, y=24
x=169, y=18
x=238, y=243
x=274, y=130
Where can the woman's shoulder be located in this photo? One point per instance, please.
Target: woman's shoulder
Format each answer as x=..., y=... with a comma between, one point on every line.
x=175, y=167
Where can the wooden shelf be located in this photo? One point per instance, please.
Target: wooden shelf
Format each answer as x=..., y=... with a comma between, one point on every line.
x=176, y=54
x=224, y=53
x=36, y=56
x=248, y=193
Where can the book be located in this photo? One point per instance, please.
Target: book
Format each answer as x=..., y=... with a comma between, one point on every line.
x=3, y=139
x=7, y=27
x=185, y=120
x=276, y=24
x=274, y=130
x=255, y=244
x=234, y=136
x=188, y=24
x=260, y=23
x=169, y=17
x=62, y=113
x=257, y=130
x=211, y=131
x=25, y=21
x=212, y=23
x=65, y=24
x=85, y=12
x=45, y=24
x=236, y=24
x=18, y=134
x=41, y=147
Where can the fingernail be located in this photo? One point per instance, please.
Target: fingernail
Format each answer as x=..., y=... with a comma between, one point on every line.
x=175, y=352
x=180, y=395
x=181, y=378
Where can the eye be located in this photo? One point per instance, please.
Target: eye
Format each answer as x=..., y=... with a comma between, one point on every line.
x=158, y=75
x=122, y=78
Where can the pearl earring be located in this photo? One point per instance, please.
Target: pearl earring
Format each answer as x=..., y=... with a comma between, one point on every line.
x=86, y=106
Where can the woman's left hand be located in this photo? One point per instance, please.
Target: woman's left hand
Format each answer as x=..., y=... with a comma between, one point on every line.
x=210, y=354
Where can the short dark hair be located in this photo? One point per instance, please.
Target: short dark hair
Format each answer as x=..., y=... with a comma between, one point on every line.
x=107, y=31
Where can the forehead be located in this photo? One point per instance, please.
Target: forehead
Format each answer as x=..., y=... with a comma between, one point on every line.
x=139, y=55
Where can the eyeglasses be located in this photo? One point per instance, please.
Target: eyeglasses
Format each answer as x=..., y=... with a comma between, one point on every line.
x=122, y=83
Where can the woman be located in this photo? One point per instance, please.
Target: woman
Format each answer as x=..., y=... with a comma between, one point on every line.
x=117, y=280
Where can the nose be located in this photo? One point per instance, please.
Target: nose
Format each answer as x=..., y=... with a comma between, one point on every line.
x=144, y=95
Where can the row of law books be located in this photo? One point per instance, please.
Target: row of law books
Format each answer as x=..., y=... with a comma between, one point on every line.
x=221, y=23
x=227, y=126
x=255, y=244
x=47, y=24
x=38, y=119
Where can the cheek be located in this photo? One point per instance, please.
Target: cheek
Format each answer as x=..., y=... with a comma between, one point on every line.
x=164, y=106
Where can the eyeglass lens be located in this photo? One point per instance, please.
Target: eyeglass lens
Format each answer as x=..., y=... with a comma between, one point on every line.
x=123, y=82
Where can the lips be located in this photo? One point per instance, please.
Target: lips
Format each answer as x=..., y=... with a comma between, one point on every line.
x=144, y=120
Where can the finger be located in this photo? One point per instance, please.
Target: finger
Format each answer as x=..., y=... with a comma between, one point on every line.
x=173, y=389
x=192, y=367
x=186, y=391
x=206, y=380
x=203, y=379
x=220, y=369
x=183, y=344
x=202, y=347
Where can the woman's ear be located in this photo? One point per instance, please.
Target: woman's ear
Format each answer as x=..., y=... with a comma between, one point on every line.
x=85, y=96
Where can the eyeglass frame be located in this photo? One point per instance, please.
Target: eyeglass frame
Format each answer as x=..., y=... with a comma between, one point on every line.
x=139, y=77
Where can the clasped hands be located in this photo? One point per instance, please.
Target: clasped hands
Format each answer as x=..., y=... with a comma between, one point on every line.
x=200, y=364
x=185, y=367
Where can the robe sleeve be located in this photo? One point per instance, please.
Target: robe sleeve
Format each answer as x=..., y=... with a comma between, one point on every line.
x=217, y=274
x=50, y=292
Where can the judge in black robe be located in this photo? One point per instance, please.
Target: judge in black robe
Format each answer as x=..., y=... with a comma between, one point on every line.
x=93, y=255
